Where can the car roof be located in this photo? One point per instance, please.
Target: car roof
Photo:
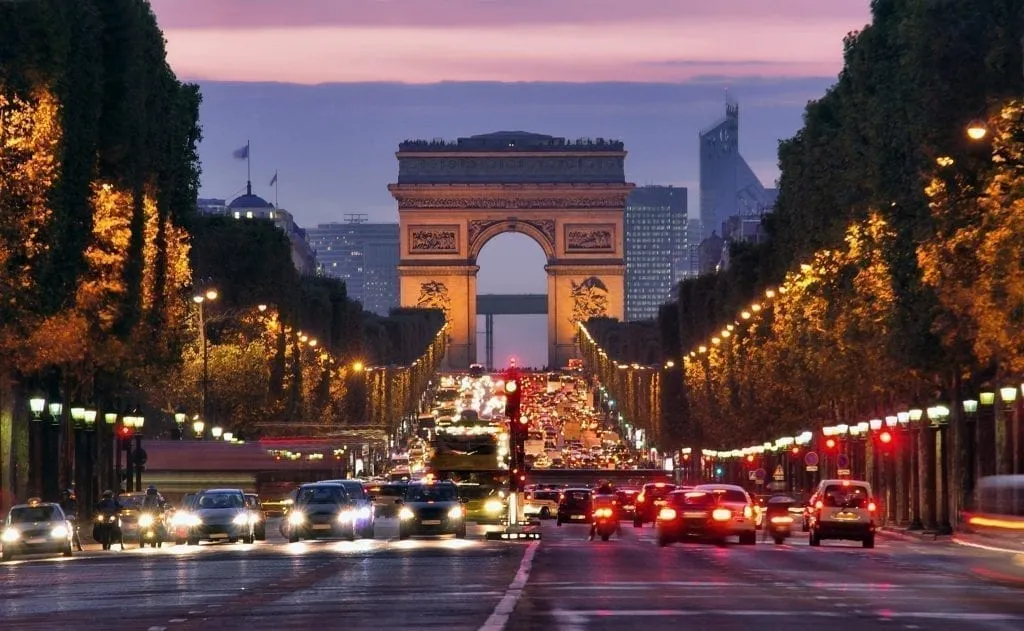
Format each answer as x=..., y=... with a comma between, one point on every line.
x=221, y=491
x=719, y=487
x=316, y=484
x=839, y=482
x=36, y=505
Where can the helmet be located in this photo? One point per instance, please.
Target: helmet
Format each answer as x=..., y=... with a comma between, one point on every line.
x=107, y=493
x=151, y=490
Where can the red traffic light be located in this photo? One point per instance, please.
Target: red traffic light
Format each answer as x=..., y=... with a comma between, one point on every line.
x=125, y=432
x=523, y=420
x=885, y=437
x=830, y=443
x=750, y=458
x=795, y=450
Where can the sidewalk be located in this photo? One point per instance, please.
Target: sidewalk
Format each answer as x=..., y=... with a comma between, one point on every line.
x=903, y=532
x=1012, y=542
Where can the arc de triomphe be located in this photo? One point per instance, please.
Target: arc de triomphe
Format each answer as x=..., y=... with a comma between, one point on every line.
x=569, y=197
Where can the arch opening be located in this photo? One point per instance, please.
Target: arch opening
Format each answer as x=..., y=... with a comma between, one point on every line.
x=511, y=264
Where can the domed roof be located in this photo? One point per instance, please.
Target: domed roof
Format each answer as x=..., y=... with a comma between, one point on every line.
x=249, y=201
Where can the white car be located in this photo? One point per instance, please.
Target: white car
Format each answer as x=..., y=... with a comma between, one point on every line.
x=541, y=503
x=843, y=509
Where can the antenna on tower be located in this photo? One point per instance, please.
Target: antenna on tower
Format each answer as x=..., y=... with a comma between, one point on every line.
x=356, y=218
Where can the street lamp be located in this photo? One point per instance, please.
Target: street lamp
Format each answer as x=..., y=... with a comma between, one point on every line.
x=90, y=419
x=55, y=410
x=37, y=405
x=216, y=431
x=976, y=129
x=201, y=298
x=197, y=427
x=228, y=436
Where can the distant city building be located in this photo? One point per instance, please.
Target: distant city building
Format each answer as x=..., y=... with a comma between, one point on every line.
x=364, y=255
x=251, y=206
x=655, y=247
x=728, y=186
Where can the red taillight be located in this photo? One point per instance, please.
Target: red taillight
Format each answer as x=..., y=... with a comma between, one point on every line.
x=818, y=505
x=871, y=507
x=640, y=498
x=666, y=514
x=721, y=514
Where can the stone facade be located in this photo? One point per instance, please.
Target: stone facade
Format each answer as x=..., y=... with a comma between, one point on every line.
x=573, y=209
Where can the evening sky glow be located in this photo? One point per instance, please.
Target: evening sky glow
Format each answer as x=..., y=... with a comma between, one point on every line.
x=426, y=41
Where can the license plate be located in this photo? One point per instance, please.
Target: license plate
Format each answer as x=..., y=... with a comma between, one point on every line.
x=579, y=516
x=431, y=522
x=628, y=507
x=846, y=516
x=321, y=526
x=694, y=515
x=659, y=502
x=35, y=540
x=219, y=535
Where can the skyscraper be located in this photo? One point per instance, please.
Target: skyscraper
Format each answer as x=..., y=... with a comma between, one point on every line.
x=655, y=247
x=728, y=186
x=364, y=255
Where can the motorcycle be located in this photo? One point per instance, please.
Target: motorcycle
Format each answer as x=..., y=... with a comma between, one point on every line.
x=778, y=520
x=606, y=523
x=106, y=529
x=151, y=529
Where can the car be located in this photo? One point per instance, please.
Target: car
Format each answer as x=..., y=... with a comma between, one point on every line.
x=541, y=502
x=485, y=504
x=322, y=510
x=649, y=501
x=181, y=518
x=36, y=527
x=431, y=508
x=627, y=502
x=259, y=516
x=843, y=509
x=131, y=510
x=365, y=517
x=385, y=497
x=708, y=511
x=219, y=515
x=575, y=505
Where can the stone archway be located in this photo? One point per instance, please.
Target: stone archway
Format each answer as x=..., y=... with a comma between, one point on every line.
x=569, y=197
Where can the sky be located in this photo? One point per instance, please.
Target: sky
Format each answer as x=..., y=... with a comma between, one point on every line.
x=324, y=90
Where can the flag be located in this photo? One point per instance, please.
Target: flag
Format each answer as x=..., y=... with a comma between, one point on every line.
x=273, y=180
x=243, y=153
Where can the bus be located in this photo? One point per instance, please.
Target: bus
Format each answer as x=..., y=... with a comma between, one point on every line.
x=476, y=371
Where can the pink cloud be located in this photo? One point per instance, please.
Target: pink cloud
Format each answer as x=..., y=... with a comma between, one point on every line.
x=315, y=41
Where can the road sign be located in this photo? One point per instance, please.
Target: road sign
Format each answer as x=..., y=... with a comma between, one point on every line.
x=779, y=474
x=759, y=474
x=843, y=472
x=843, y=461
x=811, y=459
x=752, y=475
x=811, y=467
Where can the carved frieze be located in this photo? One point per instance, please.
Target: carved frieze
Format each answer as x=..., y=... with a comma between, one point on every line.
x=434, y=295
x=589, y=238
x=433, y=240
x=511, y=169
x=503, y=203
x=478, y=226
x=589, y=299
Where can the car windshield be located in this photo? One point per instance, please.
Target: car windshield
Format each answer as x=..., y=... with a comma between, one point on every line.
x=659, y=491
x=130, y=501
x=322, y=495
x=220, y=500
x=27, y=514
x=546, y=495
x=354, y=488
x=692, y=499
x=842, y=496
x=576, y=497
x=431, y=493
x=392, y=490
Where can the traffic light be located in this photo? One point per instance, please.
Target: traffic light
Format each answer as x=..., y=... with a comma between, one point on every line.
x=830, y=443
x=885, y=438
x=795, y=451
x=513, y=396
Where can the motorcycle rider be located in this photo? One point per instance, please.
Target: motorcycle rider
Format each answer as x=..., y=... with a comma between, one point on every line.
x=69, y=504
x=153, y=501
x=605, y=497
x=108, y=505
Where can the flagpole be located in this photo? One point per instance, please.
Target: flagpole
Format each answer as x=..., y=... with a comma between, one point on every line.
x=248, y=164
x=276, y=205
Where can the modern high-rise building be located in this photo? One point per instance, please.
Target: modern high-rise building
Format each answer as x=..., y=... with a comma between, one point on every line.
x=728, y=186
x=364, y=255
x=655, y=247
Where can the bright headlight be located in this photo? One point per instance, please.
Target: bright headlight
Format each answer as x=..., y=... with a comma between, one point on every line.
x=241, y=519
x=363, y=513
x=493, y=506
x=145, y=520
x=296, y=518
x=455, y=512
x=59, y=532
x=405, y=513
x=346, y=516
x=10, y=534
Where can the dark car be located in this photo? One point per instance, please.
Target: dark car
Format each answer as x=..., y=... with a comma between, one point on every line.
x=431, y=508
x=385, y=497
x=575, y=506
x=712, y=512
x=365, y=513
x=627, y=502
x=650, y=500
x=322, y=509
x=219, y=515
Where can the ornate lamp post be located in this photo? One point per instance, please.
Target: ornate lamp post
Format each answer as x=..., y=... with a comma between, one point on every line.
x=915, y=415
x=1006, y=432
x=201, y=297
x=216, y=431
x=197, y=428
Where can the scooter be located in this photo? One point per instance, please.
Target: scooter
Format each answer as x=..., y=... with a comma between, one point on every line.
x=151, y=530
x=605, y=523
x=779, y=526
x=106, y=529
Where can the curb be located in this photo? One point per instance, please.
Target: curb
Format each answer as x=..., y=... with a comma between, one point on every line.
x=915, y=535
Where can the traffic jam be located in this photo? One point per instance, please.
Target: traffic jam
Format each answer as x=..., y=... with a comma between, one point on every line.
x=451, y=480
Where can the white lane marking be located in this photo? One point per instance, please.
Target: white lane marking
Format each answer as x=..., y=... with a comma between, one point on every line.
x=157, y=629
x=499, y=617
x=581, y=615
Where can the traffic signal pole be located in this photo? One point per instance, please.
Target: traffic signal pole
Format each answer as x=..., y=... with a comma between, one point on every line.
x=517, y=430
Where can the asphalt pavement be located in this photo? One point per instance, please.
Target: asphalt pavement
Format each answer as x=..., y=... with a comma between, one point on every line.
x=563, y=582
